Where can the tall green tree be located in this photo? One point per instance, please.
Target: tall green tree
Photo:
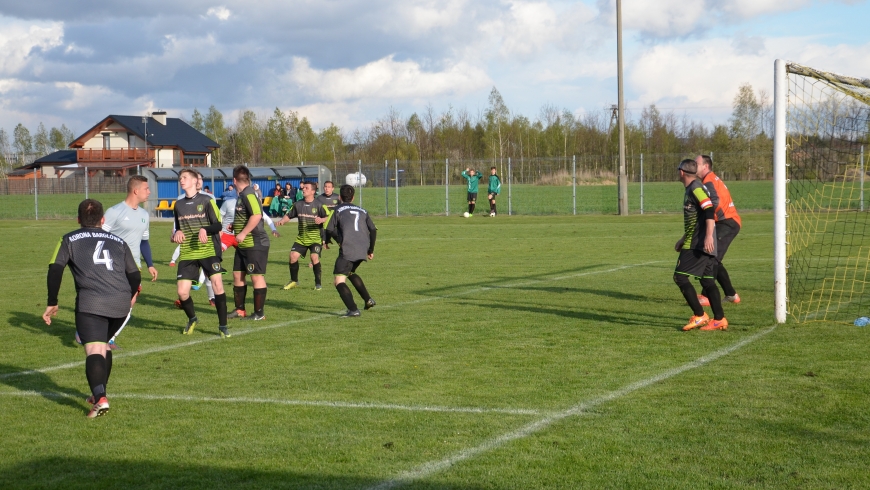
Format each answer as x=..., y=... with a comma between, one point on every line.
x=22, y=142
x=197, y=122
x=497, y=115
x=60, y=137
x=214, y=128
x=41, y=142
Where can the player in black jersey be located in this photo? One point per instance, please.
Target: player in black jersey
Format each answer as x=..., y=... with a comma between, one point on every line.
x=107, y=280
x=328, y=201
x=355, y=233
x=308, y=212
x=252, y=252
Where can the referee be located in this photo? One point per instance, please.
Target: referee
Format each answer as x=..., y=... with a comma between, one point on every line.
x=106, y=278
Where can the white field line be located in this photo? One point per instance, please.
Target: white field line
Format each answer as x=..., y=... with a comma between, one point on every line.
x=296, y=403
x=236, y=333
x=432, y=467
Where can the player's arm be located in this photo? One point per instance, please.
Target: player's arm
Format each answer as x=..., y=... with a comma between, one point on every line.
x=271, y=224
x=134, y=277
x=177, y=234
x=255, y=213
x=109, y=220
x=704, y=201
x=145, y=251
x=214, y=223
x=373, y=235
x=55, y=276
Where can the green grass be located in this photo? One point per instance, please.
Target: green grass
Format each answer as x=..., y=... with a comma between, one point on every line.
x=517, y=320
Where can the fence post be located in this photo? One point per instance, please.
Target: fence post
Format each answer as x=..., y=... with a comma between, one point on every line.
x=446, y=187
x=359, y=181
x=574, y=182
x=386, y=189
x=862, y=177
x=510, y=195
x=397, y=188
x=641, y=183
x=35, y=195
x=86, y=182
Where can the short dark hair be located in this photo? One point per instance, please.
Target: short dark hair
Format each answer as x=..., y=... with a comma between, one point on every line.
x=242, y=174
x=309, y=182
x=90, y=213
x=689, y=166
x=135, y=181
x=492, y=168
x=328, y=182
x=346, y=192
x=708, y=160
x=188, y=171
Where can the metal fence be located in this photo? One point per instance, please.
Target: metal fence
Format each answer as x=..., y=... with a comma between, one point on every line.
x=576, y=185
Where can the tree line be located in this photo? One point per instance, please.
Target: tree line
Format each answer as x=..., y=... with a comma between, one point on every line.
x=493, y=134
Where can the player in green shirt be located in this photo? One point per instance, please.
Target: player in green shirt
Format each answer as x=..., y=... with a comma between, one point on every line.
x=198, y=226
x=473, y=179
x=493, y=190
x=309, y=239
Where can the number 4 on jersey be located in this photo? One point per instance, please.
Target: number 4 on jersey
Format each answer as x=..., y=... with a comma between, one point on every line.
x=102, y=258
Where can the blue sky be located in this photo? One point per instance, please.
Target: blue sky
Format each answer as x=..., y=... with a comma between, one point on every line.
x=349, y=62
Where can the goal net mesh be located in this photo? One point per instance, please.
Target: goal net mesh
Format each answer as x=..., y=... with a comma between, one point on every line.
x=828, y=241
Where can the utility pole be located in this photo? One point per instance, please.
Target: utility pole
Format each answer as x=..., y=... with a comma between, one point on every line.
x=623, y=180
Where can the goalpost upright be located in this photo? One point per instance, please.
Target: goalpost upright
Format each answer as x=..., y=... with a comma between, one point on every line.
x=780, y=196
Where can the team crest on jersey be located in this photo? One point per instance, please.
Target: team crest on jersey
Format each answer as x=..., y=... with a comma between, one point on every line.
x=216, y=267
x=199, y=208
x=251, y=268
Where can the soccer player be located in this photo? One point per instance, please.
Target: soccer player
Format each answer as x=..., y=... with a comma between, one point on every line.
x=201, y=281
x=697, y=248
x=473, y=178
x=355, y=233
x=493, y=190
x=107, y=280
x=727, y=223
x=328, y=201
x=198, y=232
x=252, y=252
x=308, y=239
x=130, y=221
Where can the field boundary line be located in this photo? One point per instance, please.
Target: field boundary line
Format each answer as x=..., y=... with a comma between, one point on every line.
x=295, y=403
x=432, y=467
x=236, y=333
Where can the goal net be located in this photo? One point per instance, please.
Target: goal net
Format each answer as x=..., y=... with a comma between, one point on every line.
x=827, y=220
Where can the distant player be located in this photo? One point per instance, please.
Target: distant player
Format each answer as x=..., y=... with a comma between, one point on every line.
x=355, y=233
x=308, y=240
x=473, y=179
x=107, y=280
x=328, y=201
x=198, y=232
x=252, y=252
x=493, y=190
x=697, y=248
x=131, y=222
x=727, y=223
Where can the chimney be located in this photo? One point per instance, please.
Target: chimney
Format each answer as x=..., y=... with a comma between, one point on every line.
x=159, y=116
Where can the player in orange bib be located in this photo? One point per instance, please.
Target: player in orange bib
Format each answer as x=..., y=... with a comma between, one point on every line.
x=727, y=222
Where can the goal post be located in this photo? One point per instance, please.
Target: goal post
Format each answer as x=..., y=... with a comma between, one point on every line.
x=821, y=231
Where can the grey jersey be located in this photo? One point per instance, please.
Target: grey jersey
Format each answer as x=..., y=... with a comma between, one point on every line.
x=354, y=230
x=330, y=201
x=129, y=224
x=228, y=214
x=99, y=262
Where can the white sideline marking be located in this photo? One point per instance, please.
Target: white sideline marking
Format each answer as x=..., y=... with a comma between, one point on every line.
x=278, y=401
x=427, y=469
x=236, y=333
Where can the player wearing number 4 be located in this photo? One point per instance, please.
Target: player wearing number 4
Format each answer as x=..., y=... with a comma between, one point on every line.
x=355, y=233
x=107, y=280
x=198, y=232
x=697, y=248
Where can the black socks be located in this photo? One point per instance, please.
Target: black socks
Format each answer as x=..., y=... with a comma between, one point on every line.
x=359, y=286
x=220, y=303
x=259, y=300
x=346, y=296
x=96, y=372
x=294, y=271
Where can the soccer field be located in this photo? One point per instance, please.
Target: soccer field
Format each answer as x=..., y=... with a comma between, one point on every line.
x=506, y=353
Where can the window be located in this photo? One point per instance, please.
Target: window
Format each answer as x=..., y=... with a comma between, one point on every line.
x=107, y=142
x=194, y=160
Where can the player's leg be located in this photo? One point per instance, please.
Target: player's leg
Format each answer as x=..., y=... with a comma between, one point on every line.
x=711, y=290
x=240, y=287
x=360, y=287
x=690, y=265
x=94, y=332
x=295, y=252
x=256, y=262
x=188, y=270
x=175, y=255
x=726, y=232
x=341, y=270
x=216, y=272
x=315, y=265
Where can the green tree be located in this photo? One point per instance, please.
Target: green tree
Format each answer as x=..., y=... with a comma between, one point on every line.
x=306, y=140
x=278, y=139
x=746, y=117
x=60, y=138
x=22, y=142
x=214, y=128
x=41, y=142
x=248, y=137
x=197, y=122
x=496, y=115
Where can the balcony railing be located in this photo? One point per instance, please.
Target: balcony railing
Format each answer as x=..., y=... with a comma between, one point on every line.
x=118, y=155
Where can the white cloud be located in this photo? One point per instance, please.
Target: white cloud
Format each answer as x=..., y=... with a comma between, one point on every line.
x=529, y=28
x=19, y=39
x=220, y=13
x=420, y=17
x=385, y=79
x=83, y=96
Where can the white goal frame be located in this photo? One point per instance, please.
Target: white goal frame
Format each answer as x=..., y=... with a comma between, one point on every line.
x=780, y=196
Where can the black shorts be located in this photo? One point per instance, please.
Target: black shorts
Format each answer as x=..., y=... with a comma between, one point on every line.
x=472, y=196
x=95, y=328
x=303, y=249
x=251, y=261
x=344, y=267
x=726, y=231
x=492, y=195
x=188, y=270
x=696, y=263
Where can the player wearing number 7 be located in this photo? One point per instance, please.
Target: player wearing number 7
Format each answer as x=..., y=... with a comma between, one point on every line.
x=106, y=278
x=355, y=233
